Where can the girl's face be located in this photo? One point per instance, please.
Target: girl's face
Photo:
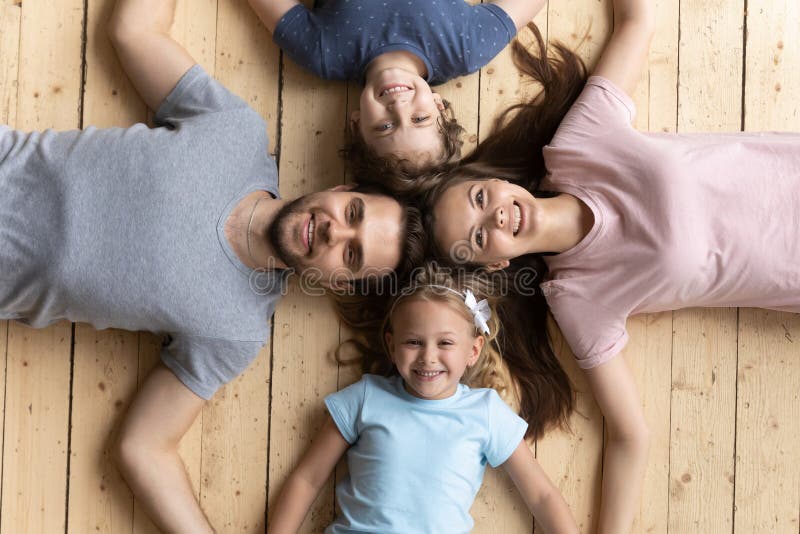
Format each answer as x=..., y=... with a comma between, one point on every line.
x=431, y=344
x=488, y=222
x=399, y=114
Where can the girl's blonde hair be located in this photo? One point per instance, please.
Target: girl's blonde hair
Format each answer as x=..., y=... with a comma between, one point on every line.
x=434, y=284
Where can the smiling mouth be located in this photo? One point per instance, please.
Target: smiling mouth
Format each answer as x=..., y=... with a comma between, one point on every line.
x=427, y=375
x=310, y=235
x=517, y=219
x=394, y=89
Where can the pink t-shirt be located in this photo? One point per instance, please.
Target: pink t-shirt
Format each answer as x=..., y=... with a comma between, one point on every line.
x=680, y=221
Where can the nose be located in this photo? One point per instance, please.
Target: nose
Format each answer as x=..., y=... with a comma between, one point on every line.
x=427, y=354
x=336, y=233
x=500, y=217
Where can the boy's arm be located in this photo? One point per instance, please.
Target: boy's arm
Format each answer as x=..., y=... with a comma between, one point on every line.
x=154, y=62
x=521, y=11
x=147, y=452
x=307, y=479
x=540, y=495
x=271, y=11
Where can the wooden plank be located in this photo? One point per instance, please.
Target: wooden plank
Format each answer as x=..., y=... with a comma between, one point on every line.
x=573, y=458
x=9, y=61
x=649, y=352
x=767, y=494
x=38, y=372
x=104, y=380
x=305, y=327
x=236, y=421
x=702, y=428
x=105, y=363
x=767, y=429
x=704, y=343
x=9, y=58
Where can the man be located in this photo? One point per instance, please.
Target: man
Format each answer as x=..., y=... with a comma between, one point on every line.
x=162, y=229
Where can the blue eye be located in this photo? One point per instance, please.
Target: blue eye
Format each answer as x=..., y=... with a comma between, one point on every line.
x=385, y=126
x=420, y=119
x=479, y=238
x=479, y=198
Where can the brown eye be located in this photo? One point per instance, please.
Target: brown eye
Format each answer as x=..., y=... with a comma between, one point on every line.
x=479, y=238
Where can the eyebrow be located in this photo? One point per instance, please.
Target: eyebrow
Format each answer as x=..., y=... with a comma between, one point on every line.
x=472, y=228
x=358, y=263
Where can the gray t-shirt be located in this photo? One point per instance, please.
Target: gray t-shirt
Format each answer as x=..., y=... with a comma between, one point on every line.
x=123, y=227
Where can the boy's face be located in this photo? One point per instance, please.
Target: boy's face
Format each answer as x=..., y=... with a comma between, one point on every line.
x=399, y=115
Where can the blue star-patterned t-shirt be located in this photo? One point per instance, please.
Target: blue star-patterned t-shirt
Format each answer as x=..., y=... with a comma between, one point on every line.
x=337, y=39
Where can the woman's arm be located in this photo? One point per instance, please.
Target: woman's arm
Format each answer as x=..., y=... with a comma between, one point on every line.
x=147, y=452
x=521, y=11
x=154, y=61
x=627, y=443
x=307, y=479
x=271, y=11
x=542, y=497
x=626, y=52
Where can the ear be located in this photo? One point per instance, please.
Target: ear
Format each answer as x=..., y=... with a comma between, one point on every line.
x=388, y=337
x=355, y=117
x=497, y=265
x=336, y=286
x=343, y=187
x=437, y=98
x=477, y=347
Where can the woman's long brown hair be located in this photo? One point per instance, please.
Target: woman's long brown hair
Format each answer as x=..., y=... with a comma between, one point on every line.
x=513, y=152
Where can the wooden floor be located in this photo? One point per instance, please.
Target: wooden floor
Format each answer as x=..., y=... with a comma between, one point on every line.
x=719, y=387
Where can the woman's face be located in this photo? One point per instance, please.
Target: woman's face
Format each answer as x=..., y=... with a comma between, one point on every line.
x=488, y=222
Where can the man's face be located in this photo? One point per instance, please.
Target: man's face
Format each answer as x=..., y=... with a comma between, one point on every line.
x=341, y=235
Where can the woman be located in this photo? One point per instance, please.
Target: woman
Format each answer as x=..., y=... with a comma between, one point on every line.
x=632, y=223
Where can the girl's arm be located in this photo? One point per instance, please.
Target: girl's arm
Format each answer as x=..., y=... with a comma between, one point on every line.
x=521, y=11
x=542, y=497
x=626, y=52
x=307, y=479
x=627, y=443
x=271, y=11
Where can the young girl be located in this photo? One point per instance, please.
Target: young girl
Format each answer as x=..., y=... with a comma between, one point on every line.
x=417, y=442
x=396, y=48
x=632, y=222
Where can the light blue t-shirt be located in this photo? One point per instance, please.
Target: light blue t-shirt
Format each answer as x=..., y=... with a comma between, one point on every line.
x=416, y=465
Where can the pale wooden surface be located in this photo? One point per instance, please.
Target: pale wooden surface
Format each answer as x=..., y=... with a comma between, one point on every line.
x=719, y=387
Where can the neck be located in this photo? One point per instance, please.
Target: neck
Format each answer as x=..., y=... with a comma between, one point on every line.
x=565, y=221
x=397, y=59
x=250, y=222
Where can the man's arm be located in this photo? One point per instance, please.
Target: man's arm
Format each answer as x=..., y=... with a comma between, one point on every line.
x=521, y=11
x=271, y=11
x=154, y=62
x=627, y=445
x=147, y=452
x=307, y=479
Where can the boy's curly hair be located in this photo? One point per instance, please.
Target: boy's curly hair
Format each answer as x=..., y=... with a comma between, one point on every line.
x=400, y=174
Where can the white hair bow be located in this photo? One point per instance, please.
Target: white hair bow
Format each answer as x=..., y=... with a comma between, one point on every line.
x=480, y=311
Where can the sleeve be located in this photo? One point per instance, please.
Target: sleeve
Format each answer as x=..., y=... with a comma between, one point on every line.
x=298, y=34
x=205, y=364
x=490, y=29
x=345, y=408
x=594, y=333
x=506, y=430
x=601, y=108
x=196, y=93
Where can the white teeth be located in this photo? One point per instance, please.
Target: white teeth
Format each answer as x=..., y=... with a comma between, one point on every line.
x=428, y=374
x=517, y=219
x=310, y=232
x=397, y=89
